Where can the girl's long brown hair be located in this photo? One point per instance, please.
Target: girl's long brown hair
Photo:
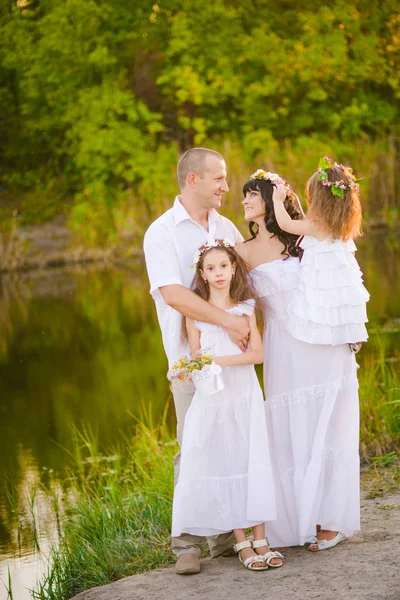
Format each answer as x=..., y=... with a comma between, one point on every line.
x=342, y=216
x=240, y=289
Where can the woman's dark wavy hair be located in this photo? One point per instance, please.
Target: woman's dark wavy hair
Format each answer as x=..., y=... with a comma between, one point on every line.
x=289, y=240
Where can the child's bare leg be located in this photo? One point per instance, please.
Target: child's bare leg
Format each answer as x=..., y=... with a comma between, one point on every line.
x=259, y=534
x=240, y=535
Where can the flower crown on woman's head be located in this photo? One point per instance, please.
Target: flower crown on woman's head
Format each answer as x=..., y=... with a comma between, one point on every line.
x=275, y=179
x=267, y=176
x=225, y=243
x=337, y=187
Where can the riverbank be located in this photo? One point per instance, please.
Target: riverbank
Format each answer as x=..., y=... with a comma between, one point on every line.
x=362, y=568
x=53, y=244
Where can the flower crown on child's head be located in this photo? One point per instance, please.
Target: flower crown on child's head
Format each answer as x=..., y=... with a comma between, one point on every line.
x=225, y=243
x=337, y=187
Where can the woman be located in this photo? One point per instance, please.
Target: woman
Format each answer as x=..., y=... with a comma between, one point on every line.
x=311, y=392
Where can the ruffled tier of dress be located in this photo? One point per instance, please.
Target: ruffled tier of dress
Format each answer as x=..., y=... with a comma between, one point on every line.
x=329, y=304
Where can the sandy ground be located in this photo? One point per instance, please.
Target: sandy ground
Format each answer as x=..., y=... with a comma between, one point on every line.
x=365, y=567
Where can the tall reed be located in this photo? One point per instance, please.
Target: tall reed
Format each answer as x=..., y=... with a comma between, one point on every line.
x=379, y=381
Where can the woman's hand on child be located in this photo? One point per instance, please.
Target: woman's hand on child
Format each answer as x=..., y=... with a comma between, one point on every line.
x=280, y=192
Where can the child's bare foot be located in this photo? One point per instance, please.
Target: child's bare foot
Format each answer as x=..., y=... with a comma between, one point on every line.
x=272, y=561
x=247, y=553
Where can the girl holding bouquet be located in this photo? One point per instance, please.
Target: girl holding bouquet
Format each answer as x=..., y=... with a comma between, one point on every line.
x=225, y=481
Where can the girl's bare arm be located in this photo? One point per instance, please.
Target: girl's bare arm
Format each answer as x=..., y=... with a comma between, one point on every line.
x=285, y=222
x=193, y=336
x=254, y=356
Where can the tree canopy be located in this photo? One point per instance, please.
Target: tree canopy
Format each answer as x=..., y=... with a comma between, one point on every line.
x=108, y=92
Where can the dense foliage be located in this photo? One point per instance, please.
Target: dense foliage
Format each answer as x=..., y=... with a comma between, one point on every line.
x=97, y=98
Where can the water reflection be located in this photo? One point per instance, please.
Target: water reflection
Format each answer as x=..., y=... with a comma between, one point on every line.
x=82, y=346
x=379, y=258
x=79, y=347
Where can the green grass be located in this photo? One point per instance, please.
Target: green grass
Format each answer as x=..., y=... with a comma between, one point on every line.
x=8, y=586
x=381, y=476
x=379, y=381
x=118, y=513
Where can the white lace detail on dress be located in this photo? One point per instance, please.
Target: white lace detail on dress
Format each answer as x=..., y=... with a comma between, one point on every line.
x=318, y=393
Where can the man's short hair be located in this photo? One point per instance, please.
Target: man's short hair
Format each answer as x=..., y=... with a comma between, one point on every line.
x=194, y=161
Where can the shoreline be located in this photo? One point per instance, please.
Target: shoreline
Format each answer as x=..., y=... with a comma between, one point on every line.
x=52, y=244
x=363, y=567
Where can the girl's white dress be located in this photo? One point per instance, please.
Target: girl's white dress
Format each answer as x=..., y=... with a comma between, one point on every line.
x=329, y=304
x=225, y=480
x=311, y=400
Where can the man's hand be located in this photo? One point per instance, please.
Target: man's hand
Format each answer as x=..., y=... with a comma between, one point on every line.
x=239, y=331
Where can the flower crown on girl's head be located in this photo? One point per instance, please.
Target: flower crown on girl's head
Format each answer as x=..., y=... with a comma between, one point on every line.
x=225, y=243
x=337, y=187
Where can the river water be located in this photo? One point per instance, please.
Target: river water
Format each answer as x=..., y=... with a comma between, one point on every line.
x=81, y=347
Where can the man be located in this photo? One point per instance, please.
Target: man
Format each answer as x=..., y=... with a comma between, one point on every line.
x=169, y=245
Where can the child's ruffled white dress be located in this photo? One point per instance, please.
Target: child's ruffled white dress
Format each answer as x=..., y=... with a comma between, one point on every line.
x=225, y=480
x=311, y=393
x=329, y=304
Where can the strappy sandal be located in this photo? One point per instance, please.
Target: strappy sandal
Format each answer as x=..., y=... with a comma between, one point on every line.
x=326, y=544
x=249, y=562
x=268, y=556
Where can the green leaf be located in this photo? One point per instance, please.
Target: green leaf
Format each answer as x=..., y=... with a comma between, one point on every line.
x=324, y=164
x=337, y=192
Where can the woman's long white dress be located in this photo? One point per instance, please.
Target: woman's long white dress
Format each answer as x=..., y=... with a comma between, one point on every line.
x=312, y=416
x=225, y=480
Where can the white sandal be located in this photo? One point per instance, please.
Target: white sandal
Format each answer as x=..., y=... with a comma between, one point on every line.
x=249, y=562
x=326, y=544
x=268, y=556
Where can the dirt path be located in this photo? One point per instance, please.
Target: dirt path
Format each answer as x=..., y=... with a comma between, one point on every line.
x=365, y=567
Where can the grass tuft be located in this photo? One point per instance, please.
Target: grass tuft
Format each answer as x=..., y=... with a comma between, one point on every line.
x=117, y=514
x=379, y=381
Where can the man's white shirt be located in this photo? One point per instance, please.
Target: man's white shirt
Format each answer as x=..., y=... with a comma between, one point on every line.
x=169, y=246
